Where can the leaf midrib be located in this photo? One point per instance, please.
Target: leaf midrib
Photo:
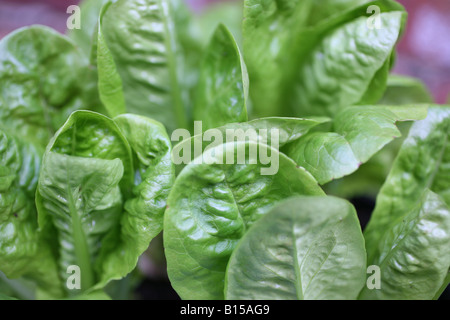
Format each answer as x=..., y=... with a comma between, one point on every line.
x=298, y=276
x=80, y=243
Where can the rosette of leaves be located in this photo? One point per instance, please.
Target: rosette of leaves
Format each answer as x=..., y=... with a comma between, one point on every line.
x=100, y=200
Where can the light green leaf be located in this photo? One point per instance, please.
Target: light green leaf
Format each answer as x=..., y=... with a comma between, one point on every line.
x=358, y=133
x=339, y=71
x=109, y=81
x=298, y=70
x=142, y=40
x=222, y=90
x=86, y=173
x=211, y=206
x=322, y=10
x=44, y=78
x=17, y=288
x=304, y=248
x=268, y=27
x=228, y=13
x=422, y=163
x=155, y=174
x=413, y=254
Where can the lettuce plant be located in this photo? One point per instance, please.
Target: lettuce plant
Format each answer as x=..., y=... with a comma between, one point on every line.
x=91, y=125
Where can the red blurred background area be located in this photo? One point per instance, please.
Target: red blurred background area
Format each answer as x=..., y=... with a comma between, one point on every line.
x=424, y=51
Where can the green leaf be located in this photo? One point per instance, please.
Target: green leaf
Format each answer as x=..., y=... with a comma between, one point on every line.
x=304, y=248
x=443, y=287
x=328, y=8
x=17, y=288
x=95, y=295
x=109, y=81
x=211, y=206
x=189, y=48
x=90, y=135
x=228, y=13
x=84, y=167
x=142, y=39
x=5, y=297
x=370, y=176
x=413, y=254
x=22, y=249
x=222, y=90
x=295, y=69
x=155, y=175
x=43, y=78
x=357, y=134
x=422, y=163
x=339, y=71
x=103, y=187
x=403, y=90
x=82, y=197
x=267, y=28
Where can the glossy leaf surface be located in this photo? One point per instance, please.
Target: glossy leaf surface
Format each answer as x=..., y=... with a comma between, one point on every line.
x=43, y=76
x=357, y=134
x=304, y=248
x=211, y=206
x=142, y=40
x=222, y=90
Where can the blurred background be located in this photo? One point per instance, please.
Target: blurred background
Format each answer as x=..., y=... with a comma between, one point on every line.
x=424, y=51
